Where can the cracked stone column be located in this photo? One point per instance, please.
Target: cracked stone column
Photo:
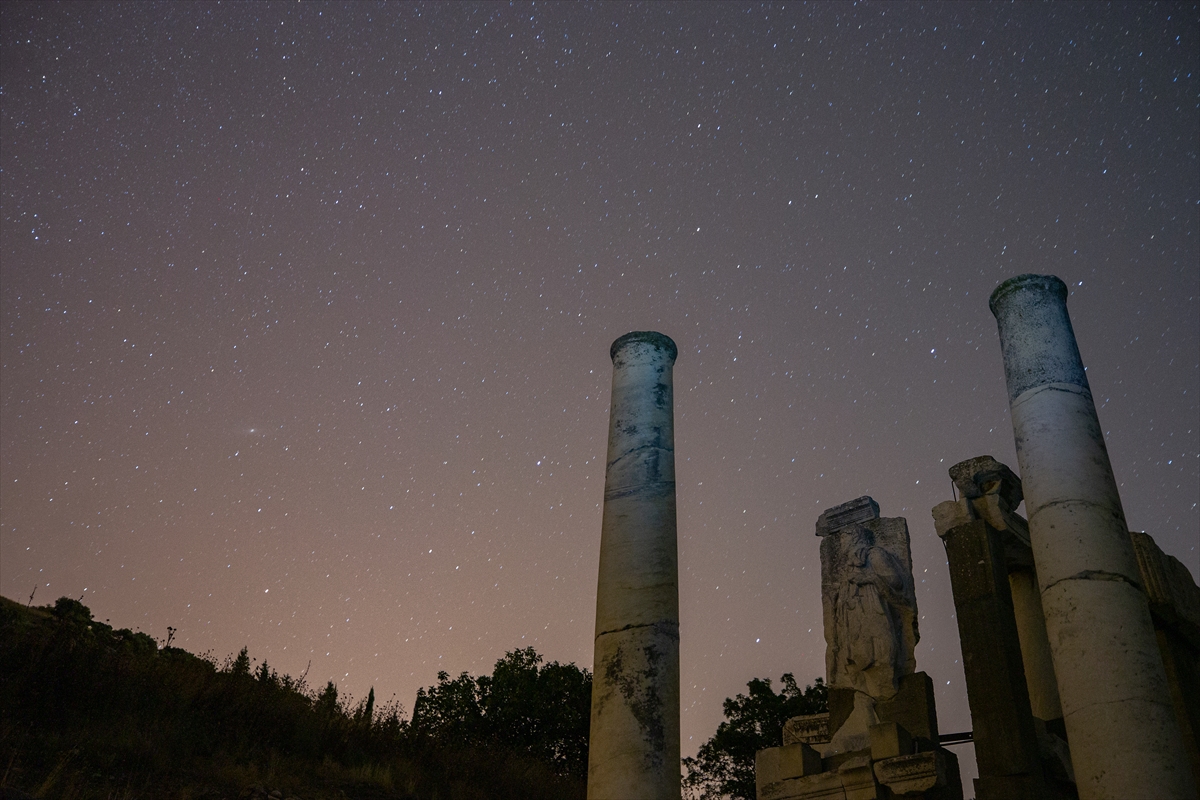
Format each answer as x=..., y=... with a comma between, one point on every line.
x=634, y=743
x=1124, y=738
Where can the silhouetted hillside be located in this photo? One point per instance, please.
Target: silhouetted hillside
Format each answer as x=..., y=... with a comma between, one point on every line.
x=87, y=711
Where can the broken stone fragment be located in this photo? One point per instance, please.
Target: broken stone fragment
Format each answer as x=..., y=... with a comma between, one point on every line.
x=949, y=515
x=984, y=475
x=868, y=600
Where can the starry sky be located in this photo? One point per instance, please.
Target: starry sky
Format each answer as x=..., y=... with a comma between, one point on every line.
x=306, y=308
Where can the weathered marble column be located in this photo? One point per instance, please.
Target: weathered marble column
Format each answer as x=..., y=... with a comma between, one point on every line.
x=1124, y=738
x=634, y=744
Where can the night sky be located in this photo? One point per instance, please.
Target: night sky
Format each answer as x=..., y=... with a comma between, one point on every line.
x=307, y=308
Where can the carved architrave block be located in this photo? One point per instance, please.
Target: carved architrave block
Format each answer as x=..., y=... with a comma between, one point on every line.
x=912, y=774
x=809, y=729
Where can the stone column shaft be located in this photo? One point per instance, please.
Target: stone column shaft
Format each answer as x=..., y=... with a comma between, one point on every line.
x=1035, y=645
x=634, y=743
x=1006, y=746
x=1117, y=709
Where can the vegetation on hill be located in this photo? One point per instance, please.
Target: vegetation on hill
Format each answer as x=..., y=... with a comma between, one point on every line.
x=87, y=711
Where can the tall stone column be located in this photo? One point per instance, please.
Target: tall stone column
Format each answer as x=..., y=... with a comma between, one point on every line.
x=634, y=744
x=1124, y=738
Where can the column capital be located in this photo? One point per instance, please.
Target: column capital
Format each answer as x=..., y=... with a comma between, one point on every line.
x=1036, y=338
x=1044, y=283
x=652, y=338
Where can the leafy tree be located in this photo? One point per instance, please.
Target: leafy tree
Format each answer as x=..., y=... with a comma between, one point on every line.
x=724, y=766
x=546, y=712
x=543, y=710
x=450, y=712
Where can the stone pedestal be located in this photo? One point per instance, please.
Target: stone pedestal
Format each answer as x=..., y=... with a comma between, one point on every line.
x=1112, y=684
x=634, y=742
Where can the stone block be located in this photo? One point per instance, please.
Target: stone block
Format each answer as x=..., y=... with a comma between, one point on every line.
x=1174, y=597
x=1055, y=754
x=917, y=773
x=790, y=761
x=809, y=729
x=823, y=786
x=766, y=769
x=889, y=740
x=913, y=707
x=1175, y=612
x=798, y=760
x=953, y=790
x=951, y=514
x=991, y=507
x=852, y=778
x=841, y=705
x=854, y=734
x=1182, y=664
x=1044, y=700
x=833, y=762
x=858, y=779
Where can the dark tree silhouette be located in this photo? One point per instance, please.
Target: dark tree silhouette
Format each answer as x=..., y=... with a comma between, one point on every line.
x=84, y=708
x=544, y=711
x=724, y=766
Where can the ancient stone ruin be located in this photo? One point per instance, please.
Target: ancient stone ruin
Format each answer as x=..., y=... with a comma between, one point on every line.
x=1021, y=739
x=869, y=606
x=1080, y=639
x=880, y=738
x=1006, y=654
x=1112, y=683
